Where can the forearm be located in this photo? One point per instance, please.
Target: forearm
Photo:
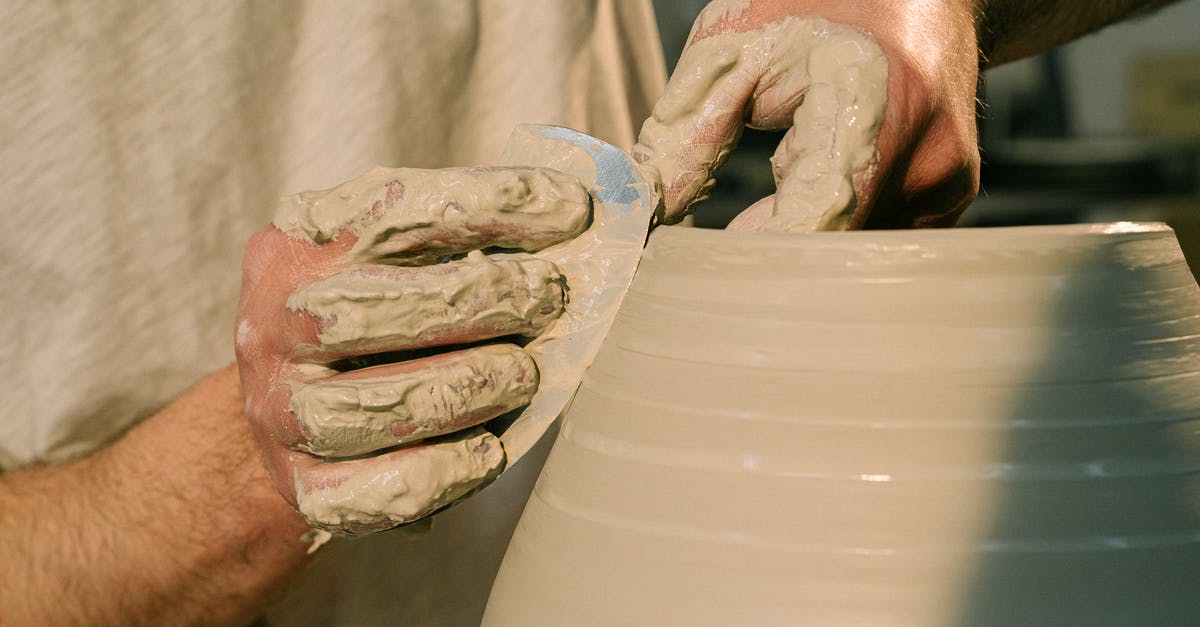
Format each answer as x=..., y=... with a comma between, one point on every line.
x=1013, y=29
x=176, y=523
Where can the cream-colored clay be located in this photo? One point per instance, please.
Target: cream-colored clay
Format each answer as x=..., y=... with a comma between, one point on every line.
x=349, y=416
x=410, y=216
x=926, y=428
x=842, y=76
x=833, y=137
x=424, y=479
x=367, y=308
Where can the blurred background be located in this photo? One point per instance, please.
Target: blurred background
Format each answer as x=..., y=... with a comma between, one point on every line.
x=1106, y=128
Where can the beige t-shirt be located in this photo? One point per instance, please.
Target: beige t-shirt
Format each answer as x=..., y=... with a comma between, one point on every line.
x=143, y=142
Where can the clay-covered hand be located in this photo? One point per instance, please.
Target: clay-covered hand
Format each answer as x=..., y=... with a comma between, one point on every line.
x=389, y=269
x=878, y=97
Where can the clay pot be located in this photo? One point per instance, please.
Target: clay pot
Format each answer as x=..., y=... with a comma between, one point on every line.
x=970, y=426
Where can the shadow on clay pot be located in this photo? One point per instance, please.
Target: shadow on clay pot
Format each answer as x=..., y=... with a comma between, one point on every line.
x=1096, y=518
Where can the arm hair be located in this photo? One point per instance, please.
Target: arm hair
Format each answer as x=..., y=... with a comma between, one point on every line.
x=175, y=523
x=1013, y=29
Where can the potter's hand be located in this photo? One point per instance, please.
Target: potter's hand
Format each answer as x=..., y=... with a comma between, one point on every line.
x=390, y=263
x=851, y=157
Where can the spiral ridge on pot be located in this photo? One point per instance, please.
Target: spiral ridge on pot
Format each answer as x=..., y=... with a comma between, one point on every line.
x=967, y=426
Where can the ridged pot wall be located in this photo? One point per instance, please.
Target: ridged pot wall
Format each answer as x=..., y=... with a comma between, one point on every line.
x=988, y=426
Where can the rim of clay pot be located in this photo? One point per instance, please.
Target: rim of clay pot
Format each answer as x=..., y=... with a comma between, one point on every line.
x=1052, y=249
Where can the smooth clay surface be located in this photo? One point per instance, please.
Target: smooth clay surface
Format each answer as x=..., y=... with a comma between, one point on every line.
x=966, y=426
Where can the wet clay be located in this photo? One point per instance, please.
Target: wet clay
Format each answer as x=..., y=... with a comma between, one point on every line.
x=939, y=427
x=422, y=216
x=404, y=217
x=373, y=308
x=840, y=75
x=344, y=417
x=432, y=477
x=368, y=308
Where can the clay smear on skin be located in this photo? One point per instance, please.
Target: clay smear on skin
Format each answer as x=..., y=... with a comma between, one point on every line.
x=353, y=416
x=404, y=217
x=842, y=75
x=372, y=497
x=414, y=217
x=371, y=308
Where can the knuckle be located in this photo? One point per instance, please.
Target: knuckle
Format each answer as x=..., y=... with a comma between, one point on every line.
x=950, y=163
x=962, y=171
x=259, y=255
x=245, y=341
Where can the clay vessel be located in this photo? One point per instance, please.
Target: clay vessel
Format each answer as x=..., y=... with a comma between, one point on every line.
x=969, y=426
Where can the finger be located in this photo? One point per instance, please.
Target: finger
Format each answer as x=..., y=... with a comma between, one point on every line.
x=936, y=206
x=754, y=217
x=371, y=309
x=411, y=217
x=696, y=123
x=398, y=404
x=814, y=186
x=375, y=493
x=932, y=181
x=822, y=164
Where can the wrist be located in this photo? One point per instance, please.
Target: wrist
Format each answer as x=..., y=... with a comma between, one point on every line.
x=181, y=516
x=214, y=501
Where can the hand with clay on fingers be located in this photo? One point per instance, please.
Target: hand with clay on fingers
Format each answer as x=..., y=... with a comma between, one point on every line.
x=878, y=97
x=392, y=266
